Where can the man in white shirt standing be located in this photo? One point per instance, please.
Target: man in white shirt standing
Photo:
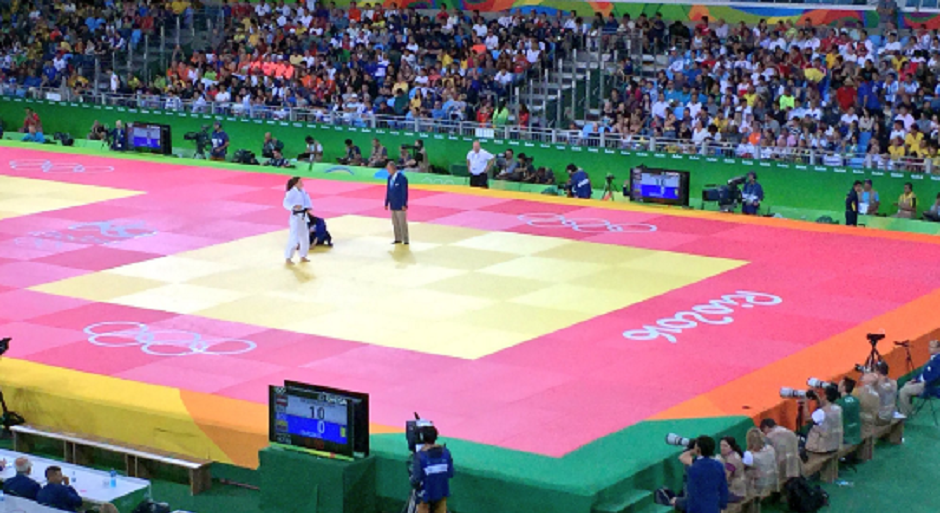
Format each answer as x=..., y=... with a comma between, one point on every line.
x=479, y=162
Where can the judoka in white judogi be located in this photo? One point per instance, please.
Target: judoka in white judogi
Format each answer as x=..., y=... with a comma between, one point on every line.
x=297, y=202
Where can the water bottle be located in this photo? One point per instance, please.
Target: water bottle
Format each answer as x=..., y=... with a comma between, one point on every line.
x=114, y=479
x=73, y=478
x=843, y=482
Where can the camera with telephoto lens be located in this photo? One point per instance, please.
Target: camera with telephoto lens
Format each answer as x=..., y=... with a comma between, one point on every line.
x=790, y=393
x=679, y=441
x=201, y=139
x=819, y=383
x=862, y=368
x=244, y=156
x=64, y=138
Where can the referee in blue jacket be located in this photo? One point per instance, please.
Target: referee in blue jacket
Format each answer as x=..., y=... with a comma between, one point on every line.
x=432, y=469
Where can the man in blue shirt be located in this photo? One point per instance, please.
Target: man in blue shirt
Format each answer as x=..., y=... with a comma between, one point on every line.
x=432, y=470
x=119, y=137
x=752, y=195
x=579, y=184
x=57, y=493
x=21, y=485
x=927, y=378
x=220, y=142
x=397, y=202
x=707, y=490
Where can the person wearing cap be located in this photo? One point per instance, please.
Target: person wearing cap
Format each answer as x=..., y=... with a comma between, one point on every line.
x=220, y=142
x=752, y=195
x=868, y=199
x=927, y=378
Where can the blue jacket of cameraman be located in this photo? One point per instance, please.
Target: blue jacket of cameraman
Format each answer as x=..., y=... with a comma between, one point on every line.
x=432, y=468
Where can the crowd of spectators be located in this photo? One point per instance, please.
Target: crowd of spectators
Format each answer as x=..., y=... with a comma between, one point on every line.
x=777, y=91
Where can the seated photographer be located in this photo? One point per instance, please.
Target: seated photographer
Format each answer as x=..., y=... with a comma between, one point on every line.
x=734, y=468
x=278, y=160
x=313, y=151
x=506, y=165
x=270, y=145
x=826, y=430
x=869, y=404
x=928, y=377
x=405, y=162
x=378, y=155
x=541, y=176
x=97, y=132
x=33, y=135
x=421, y=157
x=887, y=388
x=850, y=407
x=579, y=186
x=352, y=157
x=118, y=137
x=752, y=195
x=432, y=469
x=786, y=447
x=760, y=460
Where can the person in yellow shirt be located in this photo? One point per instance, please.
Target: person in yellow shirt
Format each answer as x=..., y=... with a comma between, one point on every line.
x=897, y=149
x=913, y=139
x=907, y=203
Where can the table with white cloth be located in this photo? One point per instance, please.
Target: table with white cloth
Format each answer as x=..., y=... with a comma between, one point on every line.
x=94, y=486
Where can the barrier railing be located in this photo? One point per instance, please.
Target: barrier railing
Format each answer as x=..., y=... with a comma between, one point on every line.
x=455, y=124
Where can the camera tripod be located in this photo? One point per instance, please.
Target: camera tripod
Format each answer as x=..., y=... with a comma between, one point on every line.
x=874, y=356
x=909, y=363
x=9, y=418
x=607, y=194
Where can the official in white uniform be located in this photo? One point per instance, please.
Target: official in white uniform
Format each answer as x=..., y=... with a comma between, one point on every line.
x=479, y=162
x=297, y=202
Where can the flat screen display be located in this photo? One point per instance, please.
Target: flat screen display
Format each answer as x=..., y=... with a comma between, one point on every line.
x=663, y=186
x=319, y=418
x=149, y=137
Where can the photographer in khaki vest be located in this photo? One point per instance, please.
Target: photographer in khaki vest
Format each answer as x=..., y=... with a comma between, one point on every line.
x=868, y=404
x=826, y=432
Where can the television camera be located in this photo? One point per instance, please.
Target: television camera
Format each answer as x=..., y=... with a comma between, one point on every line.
x=728, y=196
x=8, y=418
x=201, y=139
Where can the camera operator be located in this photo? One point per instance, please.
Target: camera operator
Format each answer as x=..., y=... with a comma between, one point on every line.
x=868, y=399
x=928, y=377
x=270, y=145
x=432, y=469
x=506, y=165
x=220, y=142
x=852, y=203
x=826, y=431
x=786, y=448
x=579, y=184
x=850, y=407
x=118, y=137
x=752, y=195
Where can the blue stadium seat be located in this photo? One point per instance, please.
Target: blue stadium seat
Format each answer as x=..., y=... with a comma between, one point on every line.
x=856, y=162
x=877, y=41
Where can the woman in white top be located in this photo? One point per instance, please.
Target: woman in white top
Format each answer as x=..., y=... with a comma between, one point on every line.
x=297, y=202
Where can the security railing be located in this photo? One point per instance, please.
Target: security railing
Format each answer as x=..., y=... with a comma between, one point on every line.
x=455, y=124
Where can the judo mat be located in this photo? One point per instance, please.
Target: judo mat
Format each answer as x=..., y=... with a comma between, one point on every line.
x=554, y=342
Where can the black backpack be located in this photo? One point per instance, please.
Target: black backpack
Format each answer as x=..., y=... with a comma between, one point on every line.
x=802, y=497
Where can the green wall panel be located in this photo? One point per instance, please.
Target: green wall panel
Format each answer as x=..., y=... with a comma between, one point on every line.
x=786, y=185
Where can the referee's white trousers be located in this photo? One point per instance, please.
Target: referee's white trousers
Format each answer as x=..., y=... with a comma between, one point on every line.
x=298, y=238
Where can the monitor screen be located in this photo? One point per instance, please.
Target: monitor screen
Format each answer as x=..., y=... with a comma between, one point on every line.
x=319, y=418
x=662, y=186
x=149, y=137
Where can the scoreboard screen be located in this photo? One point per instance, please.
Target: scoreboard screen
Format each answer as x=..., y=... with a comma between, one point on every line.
x=149, y=137
x=320, y=419
x=662, y=186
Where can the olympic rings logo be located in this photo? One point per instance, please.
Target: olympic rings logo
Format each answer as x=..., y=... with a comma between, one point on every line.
x=583, y=225
x=48, y=166
x=163, y=342
x=102, y=232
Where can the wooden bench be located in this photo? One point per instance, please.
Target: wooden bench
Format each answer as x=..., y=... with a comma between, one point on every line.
x=892, y=432
x=139, y=461
x=827, y=464
x=747, y=505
